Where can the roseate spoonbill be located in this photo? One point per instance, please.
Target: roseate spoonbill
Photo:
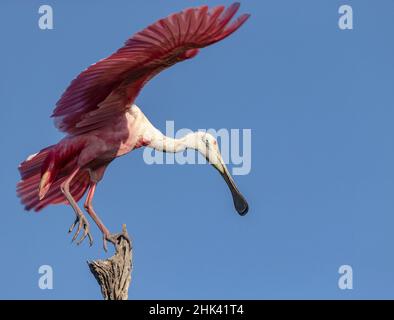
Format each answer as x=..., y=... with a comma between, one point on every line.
x=98, y=114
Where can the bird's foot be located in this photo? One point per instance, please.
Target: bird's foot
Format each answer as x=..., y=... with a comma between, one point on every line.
x=82, y=223
x=115, y=239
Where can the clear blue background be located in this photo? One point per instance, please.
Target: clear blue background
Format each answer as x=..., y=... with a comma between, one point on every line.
x=320, y=103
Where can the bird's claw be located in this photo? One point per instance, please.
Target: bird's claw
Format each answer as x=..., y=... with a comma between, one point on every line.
x=82, y=223
x=114, y=239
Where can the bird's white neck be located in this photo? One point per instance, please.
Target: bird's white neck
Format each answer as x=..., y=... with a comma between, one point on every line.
x=155, y=139
x=161, y=142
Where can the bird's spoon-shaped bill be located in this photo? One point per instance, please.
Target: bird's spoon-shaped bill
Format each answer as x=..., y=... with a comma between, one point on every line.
x=240, y=203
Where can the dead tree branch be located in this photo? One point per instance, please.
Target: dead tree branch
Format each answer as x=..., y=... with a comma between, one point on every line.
x=114, y=274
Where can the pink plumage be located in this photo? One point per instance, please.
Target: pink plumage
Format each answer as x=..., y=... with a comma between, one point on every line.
x=102, y=92
x=97, y=112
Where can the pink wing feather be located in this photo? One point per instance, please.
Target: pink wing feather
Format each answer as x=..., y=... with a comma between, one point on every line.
x=102, y=93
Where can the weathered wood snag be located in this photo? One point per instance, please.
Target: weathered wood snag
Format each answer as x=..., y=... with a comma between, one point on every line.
x=114, y=274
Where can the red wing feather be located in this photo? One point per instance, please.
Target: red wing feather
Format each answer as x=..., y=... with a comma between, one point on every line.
x=31, y=173
x=102, y=92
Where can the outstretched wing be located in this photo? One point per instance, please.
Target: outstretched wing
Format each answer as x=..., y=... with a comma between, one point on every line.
x=102, y=92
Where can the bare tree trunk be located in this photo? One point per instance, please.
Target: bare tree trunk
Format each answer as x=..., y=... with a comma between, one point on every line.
x=114, y=274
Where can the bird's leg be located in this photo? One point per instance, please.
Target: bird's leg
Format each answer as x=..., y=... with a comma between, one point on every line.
x=107, y=236
x=80, y=218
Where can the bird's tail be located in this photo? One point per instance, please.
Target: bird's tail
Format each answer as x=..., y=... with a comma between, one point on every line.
x=42, y=175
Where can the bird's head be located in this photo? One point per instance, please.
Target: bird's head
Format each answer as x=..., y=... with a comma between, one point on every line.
x=207, y=145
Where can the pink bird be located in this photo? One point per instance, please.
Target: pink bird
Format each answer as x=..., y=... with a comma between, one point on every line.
x=98, y=114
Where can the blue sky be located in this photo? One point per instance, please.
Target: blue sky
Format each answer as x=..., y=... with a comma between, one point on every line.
x=320, y=103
